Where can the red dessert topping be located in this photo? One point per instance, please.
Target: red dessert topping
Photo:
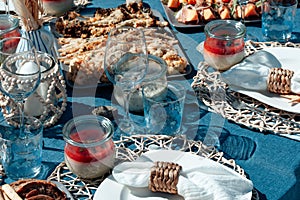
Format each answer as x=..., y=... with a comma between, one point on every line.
x=224, y=47
x=89, y=154
x=10, y=44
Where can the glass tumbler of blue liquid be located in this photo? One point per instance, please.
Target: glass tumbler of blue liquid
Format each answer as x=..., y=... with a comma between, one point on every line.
x=21, y=152
x=278, y=18
x=163, y=110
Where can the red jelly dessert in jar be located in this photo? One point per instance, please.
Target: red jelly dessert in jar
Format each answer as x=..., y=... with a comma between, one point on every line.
x=89, y=149
x=9, y=27
x=224, y=44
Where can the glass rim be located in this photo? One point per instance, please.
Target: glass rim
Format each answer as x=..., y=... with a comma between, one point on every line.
x=7, y=60
x=161, y=62
x=14, y=23
x=275, y=3
x=53, y=61
x=38, y=129
x=239, y=26
x=126, y=57
x=179, y=90
x=32, y=48
x=72, y=123
x=110, y=36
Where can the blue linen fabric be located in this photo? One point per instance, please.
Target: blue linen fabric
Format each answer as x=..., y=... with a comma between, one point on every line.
x=272, y=162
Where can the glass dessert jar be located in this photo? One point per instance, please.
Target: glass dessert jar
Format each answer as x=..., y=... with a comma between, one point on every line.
x=89, y=150
x=9, y=26
x=224, y=43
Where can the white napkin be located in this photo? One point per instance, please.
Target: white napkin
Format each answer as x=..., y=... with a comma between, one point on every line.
x=204, y=179
x=252, y=73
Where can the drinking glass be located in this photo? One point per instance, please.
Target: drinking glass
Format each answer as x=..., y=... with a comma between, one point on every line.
x=21, y=157
x=278, y=19
x=19, y=74
x=156, y=72
x=125, y=65
x=243, y=4
x=163, y=111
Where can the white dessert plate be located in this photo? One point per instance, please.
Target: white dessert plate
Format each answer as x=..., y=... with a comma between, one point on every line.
x=289, y=58
x=111, y=189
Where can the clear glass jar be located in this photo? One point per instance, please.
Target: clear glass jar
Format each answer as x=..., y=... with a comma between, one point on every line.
x=157, y=73
x=224, y=43
x=9, y=26
x=89, y=150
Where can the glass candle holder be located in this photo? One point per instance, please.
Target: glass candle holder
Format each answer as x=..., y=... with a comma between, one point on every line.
x=49, y=101
x=224, y=43
x=89, y=149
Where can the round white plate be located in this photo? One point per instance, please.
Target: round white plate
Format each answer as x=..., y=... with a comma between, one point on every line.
x=112, y=190
x=289, y=58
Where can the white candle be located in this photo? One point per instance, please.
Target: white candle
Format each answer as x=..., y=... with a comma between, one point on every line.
x=33, y=106
x=27, y=68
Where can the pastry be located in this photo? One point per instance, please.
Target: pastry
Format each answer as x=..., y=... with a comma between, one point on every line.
x=33, y=189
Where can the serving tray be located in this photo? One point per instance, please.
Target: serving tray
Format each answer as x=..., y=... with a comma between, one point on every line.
x=160, y=30
x=171, y=16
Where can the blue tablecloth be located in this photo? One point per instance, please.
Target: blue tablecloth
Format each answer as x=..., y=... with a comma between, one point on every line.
x=272, y=162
